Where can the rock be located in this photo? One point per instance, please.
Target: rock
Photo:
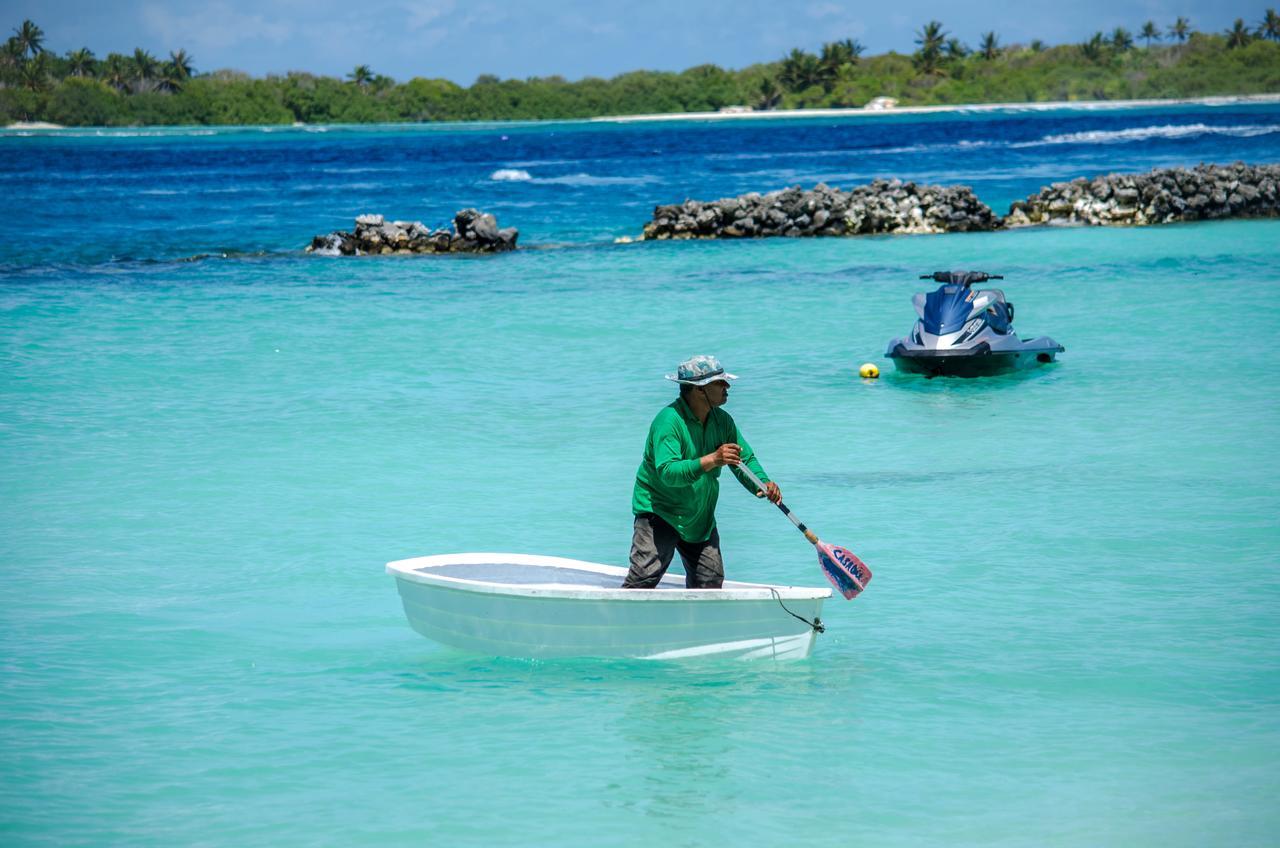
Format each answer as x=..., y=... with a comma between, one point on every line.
x=882, y=206
x=474, y=232
x=1160, y=196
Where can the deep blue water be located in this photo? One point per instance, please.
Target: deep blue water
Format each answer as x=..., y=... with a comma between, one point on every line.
x=1072, y=637
x=86, y=196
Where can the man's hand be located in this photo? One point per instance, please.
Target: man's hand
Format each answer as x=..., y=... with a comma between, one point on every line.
x=726, y=454
x=771, y=491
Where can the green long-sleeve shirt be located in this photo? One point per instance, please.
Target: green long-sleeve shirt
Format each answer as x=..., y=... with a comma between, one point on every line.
x=670, y=481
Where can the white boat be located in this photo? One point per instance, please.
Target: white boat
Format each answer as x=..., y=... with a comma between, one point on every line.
x=520, y=605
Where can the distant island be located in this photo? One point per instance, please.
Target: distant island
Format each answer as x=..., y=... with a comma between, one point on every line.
x=77, y=88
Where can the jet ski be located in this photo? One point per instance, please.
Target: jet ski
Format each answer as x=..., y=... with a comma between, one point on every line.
x=966, y=332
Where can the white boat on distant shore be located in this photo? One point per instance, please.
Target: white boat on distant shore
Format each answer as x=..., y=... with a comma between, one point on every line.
x=520, y=605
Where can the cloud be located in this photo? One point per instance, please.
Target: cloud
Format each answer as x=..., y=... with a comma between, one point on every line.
x=214, y=27
x=819, y=11
x=574, y=22
x=424, y=13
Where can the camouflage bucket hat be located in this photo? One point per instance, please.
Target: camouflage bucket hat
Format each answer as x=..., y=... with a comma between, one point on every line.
x=700, y=370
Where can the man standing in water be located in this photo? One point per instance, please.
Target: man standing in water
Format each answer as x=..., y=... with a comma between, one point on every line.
x=678, y=481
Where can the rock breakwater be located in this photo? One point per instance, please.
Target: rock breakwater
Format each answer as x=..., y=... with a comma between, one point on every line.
x=473, y=232
x=1161, y=196
x=882, y=206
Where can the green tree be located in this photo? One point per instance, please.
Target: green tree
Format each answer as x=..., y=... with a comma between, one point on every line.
x=11, y=59
x=990, y=46
x=1121, y=40
x=1238, y=35
x=955, y=49
x=768, y=94
x=1270, y=26
x=839, y=53
x=931, y=38
x=801, y=70
x=1181, y=29
x=144, y=70
x=80, y=63
x=30, y=39
x=34, y=73
x=82, y=102
x=1150, y=32
x=116, y=71
x=362, y=75
x=1094, y=48
x=181, y=61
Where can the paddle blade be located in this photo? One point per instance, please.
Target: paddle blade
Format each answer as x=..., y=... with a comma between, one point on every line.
x=842, y=567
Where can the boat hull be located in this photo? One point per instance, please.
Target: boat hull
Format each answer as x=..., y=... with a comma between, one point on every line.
x=980, y=361
x=574, y=616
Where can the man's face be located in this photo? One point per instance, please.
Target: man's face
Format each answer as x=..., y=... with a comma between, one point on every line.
x=717, y=392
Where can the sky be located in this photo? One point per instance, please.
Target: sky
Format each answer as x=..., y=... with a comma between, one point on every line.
x=461, y=39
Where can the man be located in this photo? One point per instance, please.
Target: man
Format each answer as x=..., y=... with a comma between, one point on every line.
x=678, y=481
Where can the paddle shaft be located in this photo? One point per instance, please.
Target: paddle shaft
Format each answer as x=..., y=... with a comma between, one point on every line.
x=808, y=534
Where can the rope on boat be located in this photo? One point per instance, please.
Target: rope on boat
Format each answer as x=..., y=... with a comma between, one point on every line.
x=816, y=624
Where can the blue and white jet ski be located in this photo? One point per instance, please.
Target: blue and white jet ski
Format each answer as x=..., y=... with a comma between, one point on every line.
x=966, y=332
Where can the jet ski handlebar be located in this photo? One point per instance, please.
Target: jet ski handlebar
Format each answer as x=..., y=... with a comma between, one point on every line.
x=961, y=278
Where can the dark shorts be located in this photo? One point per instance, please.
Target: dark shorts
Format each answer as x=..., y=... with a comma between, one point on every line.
x=653, y=545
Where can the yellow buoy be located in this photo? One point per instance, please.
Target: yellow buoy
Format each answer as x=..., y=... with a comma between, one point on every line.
x=869, y=370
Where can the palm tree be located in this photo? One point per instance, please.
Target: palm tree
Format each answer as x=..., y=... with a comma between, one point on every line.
x=30, y=39
x=169, y=78
x=769, y=94
x=80, y=62
x=1181, y=29
x=361, y=76
x=930, y=38
x=1270, y=26
x=115, y=71
x=182, y=67
x=955, y=49
x=11, y=60
x=990, y=46
x=1094, y=47
x=1150, y=32
x=34, y=73
x=801, y=70
x=834, y=56
x=1238, y=35
x=145, y=69
x=838, y=53
x=1121, y=39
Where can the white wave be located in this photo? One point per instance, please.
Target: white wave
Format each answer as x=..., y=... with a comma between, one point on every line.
x=158, y=191
x=1144, y=133
x=334, y=186
x=534, y=163
x=331, y=247
x=510, y=175
x=592, y=180
x=367, y=170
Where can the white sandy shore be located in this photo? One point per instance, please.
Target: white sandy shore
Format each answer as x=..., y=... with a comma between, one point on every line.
x=1080, y=105
x=1083, y=105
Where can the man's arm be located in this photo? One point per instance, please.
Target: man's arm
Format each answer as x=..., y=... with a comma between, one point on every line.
x=748, y=458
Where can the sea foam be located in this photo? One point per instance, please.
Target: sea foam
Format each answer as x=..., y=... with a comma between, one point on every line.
x=512, y=175
x=1144, y=133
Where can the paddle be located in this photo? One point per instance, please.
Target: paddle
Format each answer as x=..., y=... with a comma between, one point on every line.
x=842, y=567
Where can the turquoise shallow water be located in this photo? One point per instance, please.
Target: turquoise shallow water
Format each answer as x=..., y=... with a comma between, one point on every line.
x=1071, y=638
